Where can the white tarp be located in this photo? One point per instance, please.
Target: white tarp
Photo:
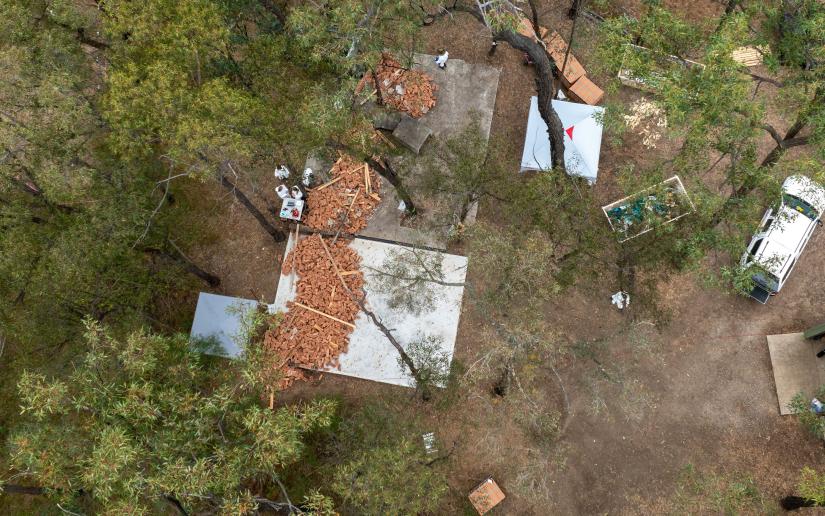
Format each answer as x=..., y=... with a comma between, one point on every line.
x=218, y=323
x=370, y=355
x=582, y=139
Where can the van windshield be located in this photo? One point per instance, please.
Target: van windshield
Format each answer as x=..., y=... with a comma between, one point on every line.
x=799, y=205
x=766, y=280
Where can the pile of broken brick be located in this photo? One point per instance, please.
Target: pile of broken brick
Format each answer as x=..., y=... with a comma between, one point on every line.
x=408, y=91
x=316, y=328
x=346, y=201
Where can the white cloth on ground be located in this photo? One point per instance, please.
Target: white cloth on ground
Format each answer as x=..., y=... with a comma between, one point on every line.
x=307, y=180
x=297, y=194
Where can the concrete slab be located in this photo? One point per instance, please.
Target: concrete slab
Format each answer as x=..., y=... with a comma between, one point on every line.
x=218, y=323
x=370, y=356
x=385, y=223
x=464, y=90
x=795, y=367
x=386, y=120
x=411, y=133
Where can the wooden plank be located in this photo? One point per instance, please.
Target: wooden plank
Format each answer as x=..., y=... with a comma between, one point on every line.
x=349, y=273
x=357, y=191
x=386, y=140
x=748, y=56
x=557, y=48
x=328, y=183
x=305, y=307
x=334, y=265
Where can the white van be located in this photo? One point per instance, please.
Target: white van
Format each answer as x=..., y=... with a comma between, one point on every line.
x=783, y=233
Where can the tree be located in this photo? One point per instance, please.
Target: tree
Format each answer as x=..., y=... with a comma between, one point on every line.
x=810, y=491
x=172, y=96
x=723, y=128
x=389, y=479
x=464, y=170
x=73, y=220
x=503, y=19
x=145, y=419
x=363, y=31
x=375, y=471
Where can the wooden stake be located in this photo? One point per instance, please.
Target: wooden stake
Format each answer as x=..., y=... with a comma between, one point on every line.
x=272, y=400
x=367, y=178
x=375, y=196
x=328, y=183
x=349, y=273
x=334, y=265
x=386, y=140
x=332, y=297
x=305, y=307
x=357, y=191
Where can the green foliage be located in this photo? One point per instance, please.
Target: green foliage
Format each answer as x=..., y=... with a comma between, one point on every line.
x=390, y=478
x=513, y=265
x=143, y=417
x=433, y=363
x=375, y=463
x=702, y=492
x=713, y=114
x=71, y=217
x=464, y=169
x=411, y=278
x=810, y=421
x=811, y=485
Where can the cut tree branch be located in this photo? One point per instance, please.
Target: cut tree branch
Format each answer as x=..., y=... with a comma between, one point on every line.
x=276, y=235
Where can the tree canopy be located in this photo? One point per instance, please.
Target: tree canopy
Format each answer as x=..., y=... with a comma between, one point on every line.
x=145, y=419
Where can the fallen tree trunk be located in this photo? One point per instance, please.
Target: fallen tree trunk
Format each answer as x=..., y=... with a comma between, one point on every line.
x=276, y=235
x=545, y=71
x=188, y=265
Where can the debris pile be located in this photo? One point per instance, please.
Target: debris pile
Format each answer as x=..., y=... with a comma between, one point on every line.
x=646, y=209
x=410, y=91
x=317, y=325
x=349, y=197
x=647, y=119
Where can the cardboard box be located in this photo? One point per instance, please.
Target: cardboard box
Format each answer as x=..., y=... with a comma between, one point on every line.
x=556, y=48
x=584, y=90
x=486, y=496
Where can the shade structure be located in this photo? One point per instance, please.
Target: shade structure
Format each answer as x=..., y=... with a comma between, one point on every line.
x=218, y=324
x=582, y=139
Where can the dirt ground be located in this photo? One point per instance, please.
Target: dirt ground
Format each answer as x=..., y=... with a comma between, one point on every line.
x=648, y=396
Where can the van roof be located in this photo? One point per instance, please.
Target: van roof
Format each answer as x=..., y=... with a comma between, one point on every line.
x=782, y=240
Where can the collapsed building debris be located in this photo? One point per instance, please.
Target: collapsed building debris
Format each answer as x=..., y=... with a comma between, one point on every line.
x=316, y=328
x=347, y=200
x=409, y=91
